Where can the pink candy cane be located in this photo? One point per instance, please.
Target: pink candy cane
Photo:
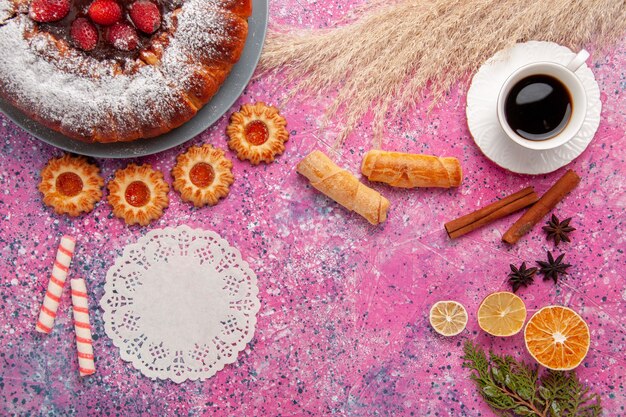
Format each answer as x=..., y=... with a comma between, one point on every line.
x=82, y=327
x=55, y=285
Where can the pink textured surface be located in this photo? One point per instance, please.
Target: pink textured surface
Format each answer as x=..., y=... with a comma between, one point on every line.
x=343, y=324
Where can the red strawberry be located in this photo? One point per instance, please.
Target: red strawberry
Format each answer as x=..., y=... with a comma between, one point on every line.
x=145, y=15
x=84, y=34
x=105, y=12
x=122, y=36
x=48, y=10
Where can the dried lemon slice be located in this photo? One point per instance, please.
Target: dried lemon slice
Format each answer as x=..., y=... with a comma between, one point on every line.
x=448, y=318
x=502, y=314
x=557, y=337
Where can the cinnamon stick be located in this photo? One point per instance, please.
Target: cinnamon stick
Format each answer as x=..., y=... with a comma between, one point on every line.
x=492, y=212
x=546, y=203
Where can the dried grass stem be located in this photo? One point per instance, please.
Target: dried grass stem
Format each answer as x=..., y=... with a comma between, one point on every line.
x=386, y=59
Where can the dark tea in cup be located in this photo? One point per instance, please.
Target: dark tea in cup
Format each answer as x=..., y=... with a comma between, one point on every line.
x=538, y=107
x=543, y=105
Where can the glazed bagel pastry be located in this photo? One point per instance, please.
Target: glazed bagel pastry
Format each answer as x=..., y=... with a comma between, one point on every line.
x=117, y=70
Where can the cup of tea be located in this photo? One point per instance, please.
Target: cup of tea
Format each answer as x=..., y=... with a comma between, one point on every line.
x=543, y=105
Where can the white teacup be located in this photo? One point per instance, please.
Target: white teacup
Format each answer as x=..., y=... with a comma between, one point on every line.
x=566, y=75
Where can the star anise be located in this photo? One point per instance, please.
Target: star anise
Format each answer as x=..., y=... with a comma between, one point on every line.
x=553, y=268
x=558, y=230
x=521, y=277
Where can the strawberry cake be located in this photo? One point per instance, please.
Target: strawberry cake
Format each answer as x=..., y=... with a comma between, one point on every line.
x=117, y=70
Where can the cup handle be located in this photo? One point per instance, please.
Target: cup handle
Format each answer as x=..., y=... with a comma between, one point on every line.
x=578, y=60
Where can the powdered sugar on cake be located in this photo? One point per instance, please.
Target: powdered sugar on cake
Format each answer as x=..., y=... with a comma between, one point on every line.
x=82, y=94
x=193, y=32
x=6, y=10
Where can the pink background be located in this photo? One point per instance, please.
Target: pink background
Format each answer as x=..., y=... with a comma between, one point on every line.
x=343, y=325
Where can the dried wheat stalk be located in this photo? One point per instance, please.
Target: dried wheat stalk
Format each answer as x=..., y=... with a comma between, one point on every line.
x=386, y=58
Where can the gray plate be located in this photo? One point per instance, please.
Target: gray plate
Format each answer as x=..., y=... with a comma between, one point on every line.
x=213, y=110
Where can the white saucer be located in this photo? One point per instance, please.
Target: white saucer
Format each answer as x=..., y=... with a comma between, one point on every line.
x=482, y=119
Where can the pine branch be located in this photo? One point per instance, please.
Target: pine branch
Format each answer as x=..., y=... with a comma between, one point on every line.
x=505, y=385
x=513, y=388
x=568, y=397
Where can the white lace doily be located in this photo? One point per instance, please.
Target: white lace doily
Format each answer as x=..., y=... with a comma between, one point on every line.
x=180, y=303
